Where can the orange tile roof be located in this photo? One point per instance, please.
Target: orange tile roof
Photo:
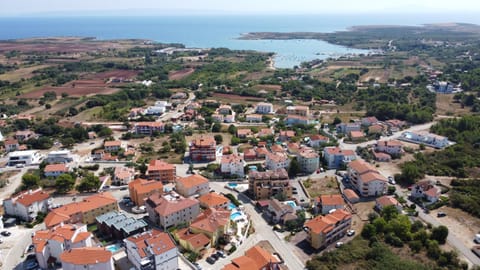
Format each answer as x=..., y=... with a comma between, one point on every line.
x=204, y=141
x=196, y=240
x=27, y=198
x=361, y=166
x=160, y=165
x=386, y=201
x=141, y=186
x=153, y=241
x=338, y=151
x=211, y=220
x=213, y=199
x=372, y=176
x=233, y=158
x=331, y=199
x=256, y=258
x=318, y=138
x=149, y=124
x=356, y=134
x=112, y=143
x=93, y=202
x=56, y=168
x=390, y=143
x=10, y=142
x=192, y=181
x=350, y=194
x=60, y=234
x=86, y=256
x=324, y=224
x=166, y=207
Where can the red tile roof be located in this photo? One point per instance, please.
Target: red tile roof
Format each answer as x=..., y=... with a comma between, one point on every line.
x=27, y=198
x=192, y=181
x=56, y=168
x=213, y=199
x=86, y=256
x=153, y=241
x=331, y=199
x=160, y=165
x=165, y=207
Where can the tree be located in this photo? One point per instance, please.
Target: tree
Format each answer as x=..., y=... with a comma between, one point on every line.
x=89, y=182
x=218, y=138
x=30, y=180
x=294, y=167
x=64, y=183
x=336, y=121
x=216, y=127
x=232, y=129
x=369, y=231
x=440, y=234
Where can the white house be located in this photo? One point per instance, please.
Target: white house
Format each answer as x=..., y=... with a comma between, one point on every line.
x=61, y=156
x=91, y=258
x=392, y=147
x=336, y=157
x=317, y=140
x=159, y=108
x=308, y=159
x=27, y=204
x=233, y=165
x=54, y=170
x=123, y=175
x=52, y=243
x=384, y=201
x=427, y=190
x=346, y=128
x=277, y=160
x=171, y=209
x=426, y=138
x=366, y=179
x=27, y=157
x=264, y=108
x=152, y=250
x=324, y=204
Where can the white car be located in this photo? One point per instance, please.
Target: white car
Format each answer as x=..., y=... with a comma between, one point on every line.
x=338, y=244
x=350, y=232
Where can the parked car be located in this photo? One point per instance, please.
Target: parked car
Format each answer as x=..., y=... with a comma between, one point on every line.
x=441, y=214
x=215, y=256
x=221, y=253
x=350, y=232
x=211, y=260
x=338, y=244
x=6, y=233
x=197, y=266
x=30, y=248
x=31, y=264
x=391, y=180
x=123, y=188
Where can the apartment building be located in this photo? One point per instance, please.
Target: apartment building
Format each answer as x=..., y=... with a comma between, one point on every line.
x=161, y=171
x=91, y=258
x=147, y=128
x=27, y=204
x=324, y=230
x=233, y=164
x=203, y=148
x=264, y=108
x=140, y=190
x=192, y=185
x=366, y=179
x=326, y=203
x=335, y=157
x=308, y=160
x=277, y=160
x=264, y=185
x=171, y=209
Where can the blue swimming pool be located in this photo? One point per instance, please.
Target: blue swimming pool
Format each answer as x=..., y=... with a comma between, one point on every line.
x=113, y=248
x=235, y=215
x=232, y=185
x=231, y=206
x=291, y=203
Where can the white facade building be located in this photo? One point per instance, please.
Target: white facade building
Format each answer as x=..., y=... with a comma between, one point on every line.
x=277, y=160
x=152, y=250
x=61, y=156
x=27, y=157
x=308, y=159
x=264, y=108
x=233, y=164
x=26, y=205
x=171, y=209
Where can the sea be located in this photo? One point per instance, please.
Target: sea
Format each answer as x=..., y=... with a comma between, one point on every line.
x=215, y=31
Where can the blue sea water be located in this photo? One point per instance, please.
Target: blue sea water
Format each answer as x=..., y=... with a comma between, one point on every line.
x=217, y=30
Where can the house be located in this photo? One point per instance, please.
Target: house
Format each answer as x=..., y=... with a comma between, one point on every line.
x=255, y=258
x=277, y=160
x=308, y=160
x=264, y=108
x=192, y=185
x=95, y=258
x=298, y=110
x=392, y=147
x=366, y=179
x=265, y=185
x=154, y=250
x=194, y=242
x=324, y=204
x=264, y=132
x=112, y=146
x=123, y=175
x=148, y=128
x=277, y=210
x=27, y=204
x=25, y=135
x=171, y=209
x=203, y=148
x=216, y=117
x=356, y=135
x=92, y=135
x=317, y=140
x=244, y=133
x=376, y=129
x=350, y=195
x=298, y=120
x=60, y=156
x=11, y=145
x=253, y=118
x=119, y=226
x=425, y=190
x=225, y=109
x=261, y=152
x=249, y=154
x=160, y=107
x=98, y=154
x=233, y=164
x=428, y=139
x=214, y=223
x=136, y=112
x=54, y=170
x=50, y=244
x=83, y=211
x=213, y=200
x=140, y=190
x=382, y=157
x=276, y=148
x=346, y=128
x=395, y=125
x=161, y=171
x=324, y=230
x=293, y=148
x=335, y=157
x=384, y=201
x=286, y=135
x=368, y=121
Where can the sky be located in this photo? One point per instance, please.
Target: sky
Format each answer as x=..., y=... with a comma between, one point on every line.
x=162, y=7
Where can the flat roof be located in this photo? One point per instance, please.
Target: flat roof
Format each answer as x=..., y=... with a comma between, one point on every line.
x=22, y=153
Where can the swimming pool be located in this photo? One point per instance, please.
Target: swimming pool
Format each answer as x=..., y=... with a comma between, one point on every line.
x=113, y=248
x=291, y=203
x=231, y=206
x=232, y=185
x=235, y=215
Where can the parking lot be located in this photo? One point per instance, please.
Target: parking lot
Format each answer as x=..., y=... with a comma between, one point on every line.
x=15, y=245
